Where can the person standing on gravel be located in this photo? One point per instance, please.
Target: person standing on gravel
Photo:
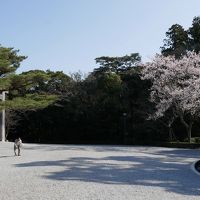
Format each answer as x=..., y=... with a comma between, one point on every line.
x=17, y=146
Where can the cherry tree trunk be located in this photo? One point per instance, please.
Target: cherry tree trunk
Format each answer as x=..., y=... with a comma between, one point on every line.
x=189, y=132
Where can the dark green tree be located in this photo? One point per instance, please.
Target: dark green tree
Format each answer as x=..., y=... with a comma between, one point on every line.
x=176, y=42
x=9, y=62
x=194, y=35
x=33, y=90
x=117, y=64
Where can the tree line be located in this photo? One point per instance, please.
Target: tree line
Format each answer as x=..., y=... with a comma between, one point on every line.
x=122, y=101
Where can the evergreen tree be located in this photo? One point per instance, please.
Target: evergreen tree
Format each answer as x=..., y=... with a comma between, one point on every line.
x=194, y=35
x=176, y=42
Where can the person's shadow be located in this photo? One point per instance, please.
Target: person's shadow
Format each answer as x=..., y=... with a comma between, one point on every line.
x=6, y=156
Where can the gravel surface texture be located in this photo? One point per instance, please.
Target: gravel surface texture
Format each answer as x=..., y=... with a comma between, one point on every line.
x=80, y=172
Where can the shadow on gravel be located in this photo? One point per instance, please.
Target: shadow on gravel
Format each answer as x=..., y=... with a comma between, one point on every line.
x=96, y=148
x=184, y=153
x=162, y=172
x=6, y=156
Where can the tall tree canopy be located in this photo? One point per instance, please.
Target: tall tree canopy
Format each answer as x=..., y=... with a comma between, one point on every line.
x=117, y=64
x=194, y=35
x=176, y=42
x=9, y=62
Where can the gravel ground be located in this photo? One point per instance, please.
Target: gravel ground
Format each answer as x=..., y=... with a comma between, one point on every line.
x=80, y=172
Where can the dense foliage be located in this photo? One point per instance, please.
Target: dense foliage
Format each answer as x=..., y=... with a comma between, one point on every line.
x=112, y=104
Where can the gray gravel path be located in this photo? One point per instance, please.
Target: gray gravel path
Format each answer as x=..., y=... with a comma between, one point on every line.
x=50, y=172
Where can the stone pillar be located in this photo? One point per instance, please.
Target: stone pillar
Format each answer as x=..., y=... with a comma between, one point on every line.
x=2, y=119
x=2, y=126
